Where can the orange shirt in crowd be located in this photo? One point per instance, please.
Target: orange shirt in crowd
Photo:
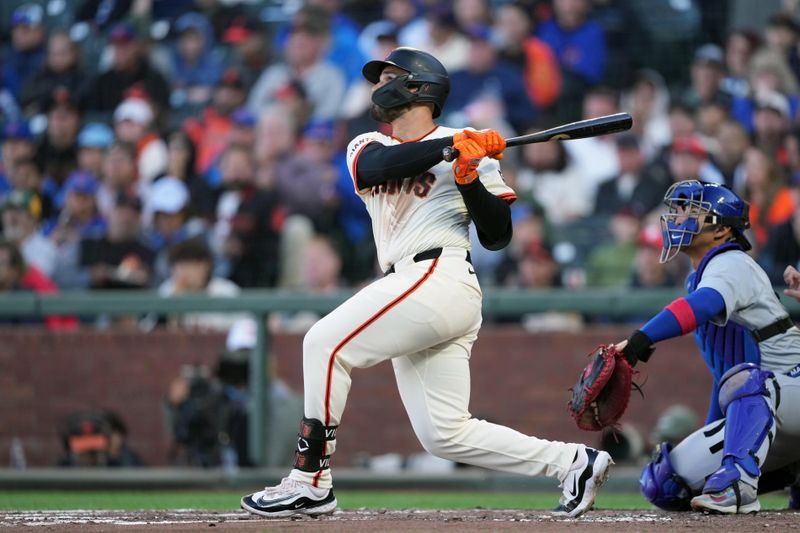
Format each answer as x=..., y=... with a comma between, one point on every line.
x=210, y=135
x=779, y=212
x=542, y=73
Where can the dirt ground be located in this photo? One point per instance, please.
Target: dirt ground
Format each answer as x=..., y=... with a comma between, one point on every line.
x=388, y=521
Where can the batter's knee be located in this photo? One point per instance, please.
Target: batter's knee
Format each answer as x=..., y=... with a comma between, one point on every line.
x=661, y=485
x=317, y=345
x=440, y=439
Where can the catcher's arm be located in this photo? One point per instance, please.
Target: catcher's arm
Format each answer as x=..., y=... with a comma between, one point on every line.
x=678, y=318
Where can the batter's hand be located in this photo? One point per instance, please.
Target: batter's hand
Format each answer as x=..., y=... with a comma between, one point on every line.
x=489, y=140
x=792, y=279
x=465, y=167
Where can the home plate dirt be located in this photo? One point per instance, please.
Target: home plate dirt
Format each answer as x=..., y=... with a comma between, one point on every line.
x=385, y=521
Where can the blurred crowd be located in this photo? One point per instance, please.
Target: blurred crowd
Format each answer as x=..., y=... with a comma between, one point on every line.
x=198, y=145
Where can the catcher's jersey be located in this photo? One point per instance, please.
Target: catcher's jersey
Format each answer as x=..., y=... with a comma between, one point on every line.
x=417, y=213
x=750, y=301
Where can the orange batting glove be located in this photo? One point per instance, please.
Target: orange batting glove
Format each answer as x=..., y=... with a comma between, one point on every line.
x=465, y=167
x=489, y=140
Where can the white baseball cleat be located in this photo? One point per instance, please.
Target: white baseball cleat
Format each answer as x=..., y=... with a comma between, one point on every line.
x=290, y=498
x=738, y=498
x=587, y=473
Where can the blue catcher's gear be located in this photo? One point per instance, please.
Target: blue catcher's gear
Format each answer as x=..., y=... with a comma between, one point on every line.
x=661, y=485
x=749, y=421
x=689, y=200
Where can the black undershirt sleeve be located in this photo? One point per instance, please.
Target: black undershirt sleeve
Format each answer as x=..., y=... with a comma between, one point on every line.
x=378, y=163
x=492, y=215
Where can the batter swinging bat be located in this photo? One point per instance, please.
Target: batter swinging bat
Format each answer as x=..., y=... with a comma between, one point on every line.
x=575, y=130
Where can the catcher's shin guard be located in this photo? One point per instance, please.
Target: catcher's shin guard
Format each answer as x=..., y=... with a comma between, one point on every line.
x=313, y=453
x=749, y=426
x=661, y=485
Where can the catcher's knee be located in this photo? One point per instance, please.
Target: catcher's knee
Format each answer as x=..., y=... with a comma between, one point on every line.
x=741, y=381
x=661, y=485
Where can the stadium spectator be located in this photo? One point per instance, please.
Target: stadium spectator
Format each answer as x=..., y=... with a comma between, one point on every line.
x=94, y=140
x=771, y=122
x=18, y=143
x=195, y=65
x=181, y=164
x=707, y=71
x=61, y=68
x=514, y=29
x=548, y=174
x=22, y=217
x=596, y=157
x=688, y=160
x=250, y=55
x=472, y=13
x=168, y=221
x=739, y=48
x=732, y=142
x=648, y=103
x=130, y=69
x=781, y=36
x=771, y=201
x=637, y=187
x=249, y=220
x=57, y=153
x=118, y=175
x=625, y=40
x=403, y=17
x=26, y=54
x=134, y=124
x=79, y=216
x=609, y=264
x=16, y=275
x=321, y=274
x=488, y=89
x=579, y=44
x=444, y=40
x=191, y=272
x=783, y=243
x=115, y=259
x=768, y=73
x=303, y=61
x=97, y=438
x=648, y=271
x=28, y=177
x=210, y=131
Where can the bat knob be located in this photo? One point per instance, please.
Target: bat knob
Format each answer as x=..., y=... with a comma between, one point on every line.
x=449, y=153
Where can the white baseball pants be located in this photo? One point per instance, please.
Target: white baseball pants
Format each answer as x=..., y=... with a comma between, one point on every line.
x=424, y=317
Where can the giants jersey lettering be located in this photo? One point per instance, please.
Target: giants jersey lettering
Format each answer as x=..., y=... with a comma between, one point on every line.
x=417, y=213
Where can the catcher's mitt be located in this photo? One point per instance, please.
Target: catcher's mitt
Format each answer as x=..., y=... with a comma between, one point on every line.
x=600, y=396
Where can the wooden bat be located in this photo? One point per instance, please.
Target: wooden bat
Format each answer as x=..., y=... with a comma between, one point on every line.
x=575, y=130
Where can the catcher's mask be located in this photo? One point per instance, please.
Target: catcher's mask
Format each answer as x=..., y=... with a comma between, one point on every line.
x=425, y=74
x=690, y=200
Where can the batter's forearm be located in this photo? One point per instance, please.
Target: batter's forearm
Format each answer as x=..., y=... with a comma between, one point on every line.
x=492, y=215
x=378, y=163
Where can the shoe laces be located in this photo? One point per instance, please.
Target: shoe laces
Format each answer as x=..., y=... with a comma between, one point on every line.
x=287, y=484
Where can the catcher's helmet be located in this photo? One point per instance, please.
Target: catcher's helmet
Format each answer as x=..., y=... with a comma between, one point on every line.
x=692, y=199
x=425, y=73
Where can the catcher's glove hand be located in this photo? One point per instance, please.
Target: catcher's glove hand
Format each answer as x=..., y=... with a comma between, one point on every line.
x=601, y=395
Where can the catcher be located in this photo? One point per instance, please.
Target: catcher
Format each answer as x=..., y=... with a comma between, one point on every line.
x=751, y=348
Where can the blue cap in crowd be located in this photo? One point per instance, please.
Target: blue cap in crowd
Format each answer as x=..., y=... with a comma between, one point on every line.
x=82, y=182
x=17, y=130
x=27, y=15
x=243, y=117
x=191, y=21
x=122, y=32
x=480, y=32
x=95, y=135
x=321, y=130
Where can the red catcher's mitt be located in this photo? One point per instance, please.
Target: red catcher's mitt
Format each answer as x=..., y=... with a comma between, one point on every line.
x=600, y=396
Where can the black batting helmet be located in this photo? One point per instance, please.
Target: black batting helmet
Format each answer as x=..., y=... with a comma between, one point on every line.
x=425, y=73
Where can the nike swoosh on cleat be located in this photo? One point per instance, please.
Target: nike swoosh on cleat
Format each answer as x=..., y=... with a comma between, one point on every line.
x=470, y=271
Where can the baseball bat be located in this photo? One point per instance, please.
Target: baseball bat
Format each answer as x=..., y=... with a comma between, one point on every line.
x=575, y=130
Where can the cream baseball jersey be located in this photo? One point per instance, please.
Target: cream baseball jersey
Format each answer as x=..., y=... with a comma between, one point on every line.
x=417, y=213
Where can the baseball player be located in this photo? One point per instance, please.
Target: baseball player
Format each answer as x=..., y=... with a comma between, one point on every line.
x=749, y=344
x=425, y=313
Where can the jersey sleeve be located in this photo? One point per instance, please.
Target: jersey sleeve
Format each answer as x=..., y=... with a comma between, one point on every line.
x=354, y=150
x=492, y=178
x=730, y=277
